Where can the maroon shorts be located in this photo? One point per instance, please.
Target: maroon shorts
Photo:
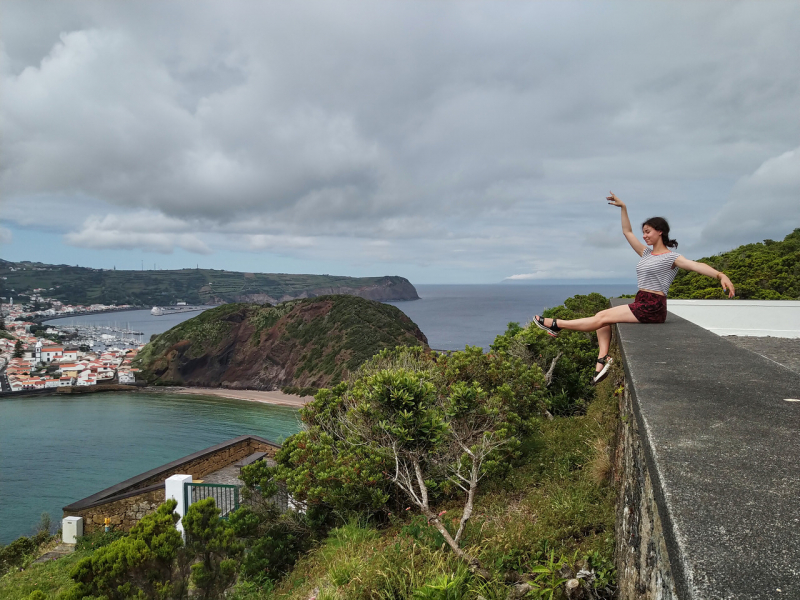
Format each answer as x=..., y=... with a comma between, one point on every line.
x=648, y=307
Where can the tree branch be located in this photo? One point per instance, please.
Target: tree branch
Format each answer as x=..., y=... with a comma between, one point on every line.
x=548, y=378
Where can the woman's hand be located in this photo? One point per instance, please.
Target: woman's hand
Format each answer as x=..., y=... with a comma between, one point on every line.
x=727, y=285
x=614, y=201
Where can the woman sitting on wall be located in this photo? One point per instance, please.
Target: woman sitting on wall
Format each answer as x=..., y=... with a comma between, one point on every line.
x=655, y=272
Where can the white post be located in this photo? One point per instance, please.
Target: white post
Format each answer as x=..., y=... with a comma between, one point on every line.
x=71, y=529
x=173, y=488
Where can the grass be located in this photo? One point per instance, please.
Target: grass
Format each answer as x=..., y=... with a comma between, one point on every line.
x=51, y=578
x=557, y=504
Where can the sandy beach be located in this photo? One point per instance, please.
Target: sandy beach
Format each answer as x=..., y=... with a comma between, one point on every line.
x=277, y=398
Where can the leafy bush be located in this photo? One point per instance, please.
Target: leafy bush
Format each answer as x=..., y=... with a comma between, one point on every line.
x=211, y=541
x=98, y=539
x=274, y=539
x=20, y=551
x=139, y=565
x=569, y=359
x=768, y=270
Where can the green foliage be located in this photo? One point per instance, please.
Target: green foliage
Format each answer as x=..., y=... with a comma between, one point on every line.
x=21, y=551
x=98, y=539
x=274, y=539
x=18, y=350
x=350, y=332
x=574, y=353
x=411, y=400
x=140, y=565
x=768, y=270
x=447, y=586
x=212, y=542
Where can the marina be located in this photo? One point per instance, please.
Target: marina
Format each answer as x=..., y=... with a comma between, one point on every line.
x=130, y=329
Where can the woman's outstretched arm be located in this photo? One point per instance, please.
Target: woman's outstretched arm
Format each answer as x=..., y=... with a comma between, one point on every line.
x=627, y=230
x=707, y=270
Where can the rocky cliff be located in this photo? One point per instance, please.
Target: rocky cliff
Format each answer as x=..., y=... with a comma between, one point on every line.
x=305, y=343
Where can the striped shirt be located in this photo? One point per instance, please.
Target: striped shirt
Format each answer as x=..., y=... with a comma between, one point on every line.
x=655, y=272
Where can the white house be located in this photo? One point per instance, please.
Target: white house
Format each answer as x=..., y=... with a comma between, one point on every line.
x=49, y=353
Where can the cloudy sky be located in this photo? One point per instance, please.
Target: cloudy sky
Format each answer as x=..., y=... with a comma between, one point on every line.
x=444, y=141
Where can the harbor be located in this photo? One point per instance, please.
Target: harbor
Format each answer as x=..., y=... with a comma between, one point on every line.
x=129, y=329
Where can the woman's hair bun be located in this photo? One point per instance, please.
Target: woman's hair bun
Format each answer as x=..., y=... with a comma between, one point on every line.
x=660, y=224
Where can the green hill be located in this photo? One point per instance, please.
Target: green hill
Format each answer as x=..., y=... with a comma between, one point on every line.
x=302, y=343
x=82, y=285
x=767, y=270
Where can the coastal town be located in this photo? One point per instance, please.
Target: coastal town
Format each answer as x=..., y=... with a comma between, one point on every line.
x=36, y=357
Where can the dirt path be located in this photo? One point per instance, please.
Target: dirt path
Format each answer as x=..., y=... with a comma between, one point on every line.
x=277, y=398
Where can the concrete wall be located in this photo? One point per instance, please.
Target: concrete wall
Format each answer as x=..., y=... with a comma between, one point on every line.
x=709, y=466
x=127, y=502
x=642, y=561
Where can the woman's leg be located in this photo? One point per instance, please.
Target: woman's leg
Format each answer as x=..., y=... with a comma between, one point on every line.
x=601, y=323
x=604, y=339
x=610, y=316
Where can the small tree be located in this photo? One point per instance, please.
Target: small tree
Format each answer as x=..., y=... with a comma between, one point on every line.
x=430, y=437
x=212, y=541
x=18, y=350
x=139, y=565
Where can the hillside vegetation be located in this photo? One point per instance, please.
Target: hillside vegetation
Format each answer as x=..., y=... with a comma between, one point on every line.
x=515, y=460
x=301, y=343
x=767, y=270
x=81, y=285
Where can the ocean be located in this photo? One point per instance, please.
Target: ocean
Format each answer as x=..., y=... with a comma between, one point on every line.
x=56, y=450
x=453, y=316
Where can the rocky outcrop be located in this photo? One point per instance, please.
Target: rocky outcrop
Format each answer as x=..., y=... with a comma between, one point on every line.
x=305, y=343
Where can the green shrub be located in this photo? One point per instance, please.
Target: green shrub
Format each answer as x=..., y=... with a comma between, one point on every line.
x=98, y=539
x=274, y=540
x=139, y=565
x=768, y=270
x=211, y=541
x=19, y=552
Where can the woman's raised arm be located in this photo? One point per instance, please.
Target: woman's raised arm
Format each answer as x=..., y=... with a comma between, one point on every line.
x=627, y=230
x=707, y=270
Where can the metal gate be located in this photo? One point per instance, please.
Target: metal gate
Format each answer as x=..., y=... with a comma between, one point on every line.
x=225, y=496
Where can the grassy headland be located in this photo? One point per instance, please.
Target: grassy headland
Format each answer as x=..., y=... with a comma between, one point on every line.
x=81, y=285
x=301, y=343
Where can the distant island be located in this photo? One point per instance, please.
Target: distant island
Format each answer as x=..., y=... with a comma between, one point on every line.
x=83, y=285
x=308, y=343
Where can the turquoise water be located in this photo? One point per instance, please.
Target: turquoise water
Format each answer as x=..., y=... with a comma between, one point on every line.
x=55, y=450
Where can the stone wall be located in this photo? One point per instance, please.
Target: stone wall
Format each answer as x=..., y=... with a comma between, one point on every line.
x=643, y=565
x=124, y=512
x=201, y=466
x=127, y=502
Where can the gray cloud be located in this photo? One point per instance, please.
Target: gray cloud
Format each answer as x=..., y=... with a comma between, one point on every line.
x=485, y=134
